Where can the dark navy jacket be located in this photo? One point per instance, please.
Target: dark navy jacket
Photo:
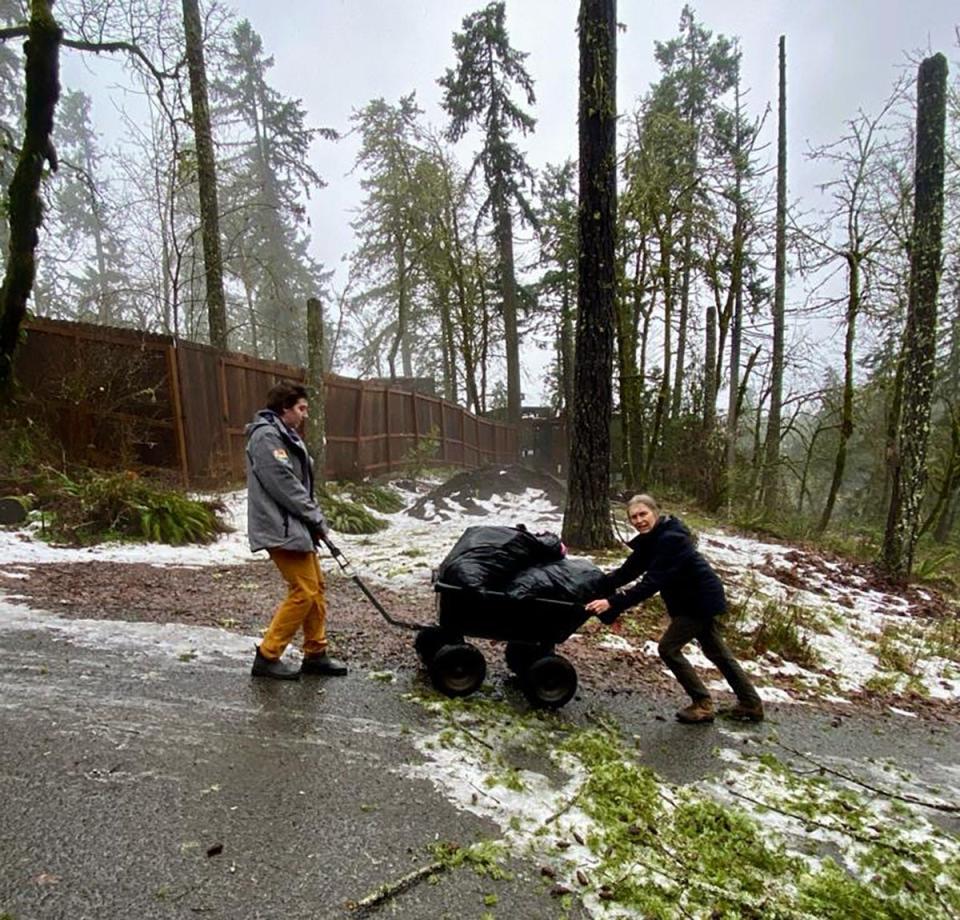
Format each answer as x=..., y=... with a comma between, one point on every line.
x=669, y=563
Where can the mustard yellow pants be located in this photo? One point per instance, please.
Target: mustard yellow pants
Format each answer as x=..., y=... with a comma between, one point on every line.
x=304, y=606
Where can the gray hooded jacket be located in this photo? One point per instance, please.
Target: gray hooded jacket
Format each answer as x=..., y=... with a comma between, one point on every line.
x=281, y=510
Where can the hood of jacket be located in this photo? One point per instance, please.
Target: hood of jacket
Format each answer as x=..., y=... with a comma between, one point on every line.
x=262, y=418
x=667, y=524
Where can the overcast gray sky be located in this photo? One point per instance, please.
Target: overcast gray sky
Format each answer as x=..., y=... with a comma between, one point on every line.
x=337, y=55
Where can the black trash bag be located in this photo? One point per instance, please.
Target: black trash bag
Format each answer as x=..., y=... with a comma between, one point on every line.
x=577, y=580
x=488, y=557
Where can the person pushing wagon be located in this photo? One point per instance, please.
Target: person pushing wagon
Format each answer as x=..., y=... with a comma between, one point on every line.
x=663, y=553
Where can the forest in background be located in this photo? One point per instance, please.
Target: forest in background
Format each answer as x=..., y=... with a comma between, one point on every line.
x=438, y=285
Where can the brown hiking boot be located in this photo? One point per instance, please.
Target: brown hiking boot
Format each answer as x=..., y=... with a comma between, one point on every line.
x=698, y=711
x=744, y=712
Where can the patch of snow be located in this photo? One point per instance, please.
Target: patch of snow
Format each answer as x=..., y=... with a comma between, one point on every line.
x=168, y=640
x=616, y=643
x=405, y=554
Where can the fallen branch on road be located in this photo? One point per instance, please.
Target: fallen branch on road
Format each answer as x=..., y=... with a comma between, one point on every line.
x=948, y=807
x=391, y=889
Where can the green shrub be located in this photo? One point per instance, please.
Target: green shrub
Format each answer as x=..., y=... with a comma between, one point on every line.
x=345, y=516
x=419, y=457
x=24, y=447
x=92, y=507
x=932, y=566
x=380, y=498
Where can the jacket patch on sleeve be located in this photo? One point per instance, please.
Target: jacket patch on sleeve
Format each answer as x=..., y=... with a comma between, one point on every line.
x=280, y=454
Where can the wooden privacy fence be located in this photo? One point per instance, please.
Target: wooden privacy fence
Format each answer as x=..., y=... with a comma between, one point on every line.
x=120, y=397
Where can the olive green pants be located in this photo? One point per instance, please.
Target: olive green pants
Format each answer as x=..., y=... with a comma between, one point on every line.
x=705, y=630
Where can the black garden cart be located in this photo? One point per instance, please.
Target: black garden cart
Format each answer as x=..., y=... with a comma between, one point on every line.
x=531, y=627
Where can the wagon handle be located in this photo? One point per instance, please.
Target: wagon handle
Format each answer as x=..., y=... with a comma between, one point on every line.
x=347, y=570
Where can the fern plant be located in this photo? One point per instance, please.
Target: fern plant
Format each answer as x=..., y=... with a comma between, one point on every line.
x=92, y=507
x=345, y=516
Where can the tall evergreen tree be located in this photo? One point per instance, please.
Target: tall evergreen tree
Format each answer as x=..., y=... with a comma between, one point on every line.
x=389, y=255
x=268, y=175
x=697, y=70
x=479, y=91
x=96, y=285
x=586, y=520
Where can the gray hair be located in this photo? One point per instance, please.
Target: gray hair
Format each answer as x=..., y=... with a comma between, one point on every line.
x=644, y=499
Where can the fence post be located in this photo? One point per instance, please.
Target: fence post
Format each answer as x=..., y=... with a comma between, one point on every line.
x=443, y=431
x=225, y=461
x=357, y=427
x=386, y=423
x=173, y=375
x=415, y=397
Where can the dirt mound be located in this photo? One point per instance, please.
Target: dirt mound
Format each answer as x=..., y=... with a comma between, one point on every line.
x=463, y=493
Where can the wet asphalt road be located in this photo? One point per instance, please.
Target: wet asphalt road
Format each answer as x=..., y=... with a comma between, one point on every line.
x=120, y=772
x=134, y=784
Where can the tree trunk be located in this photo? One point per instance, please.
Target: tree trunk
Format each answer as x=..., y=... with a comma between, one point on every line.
x=42, y=49
x=919, y=346
x=710, y=374
x=484, y=339
x=846, y=417
x=807, y=461
x=317, y=391
x=567, y=349
x=511, y=337
x=631, y=383
x=104, y=297
x=941, y=533
x=586, y=521
x=771, y=467
x=663, y=396
x=403, y=307
x=940, y=513
x=448, y=345
x=206, y=176
x=467, y=321
x=683, y=319
x=736, y=328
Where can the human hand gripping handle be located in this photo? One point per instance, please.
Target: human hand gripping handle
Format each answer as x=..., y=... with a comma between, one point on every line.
x=335, y=550
x=602, y=609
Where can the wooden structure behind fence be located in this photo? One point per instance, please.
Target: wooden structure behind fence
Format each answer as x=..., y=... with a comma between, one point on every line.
x=120, y=397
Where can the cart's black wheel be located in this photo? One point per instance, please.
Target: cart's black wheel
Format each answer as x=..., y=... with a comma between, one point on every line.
x=550, y=681
x=458, y=670
x=428, y=642
x=520, y=655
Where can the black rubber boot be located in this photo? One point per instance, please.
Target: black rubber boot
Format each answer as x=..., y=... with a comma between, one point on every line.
x=323, y=665
x=264, y=667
